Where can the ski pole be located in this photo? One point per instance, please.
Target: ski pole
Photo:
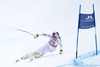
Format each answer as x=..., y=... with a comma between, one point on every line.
x=25, y=32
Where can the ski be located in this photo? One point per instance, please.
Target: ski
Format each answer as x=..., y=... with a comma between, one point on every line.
x=27, y=56
x=18, y=60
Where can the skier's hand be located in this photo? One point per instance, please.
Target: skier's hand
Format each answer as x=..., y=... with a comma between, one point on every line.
x=60, y=51
x=36, y=35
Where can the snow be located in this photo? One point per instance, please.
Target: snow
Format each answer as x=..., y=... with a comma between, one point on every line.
x=47, y=16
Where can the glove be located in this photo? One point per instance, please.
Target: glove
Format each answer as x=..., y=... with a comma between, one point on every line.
x=37, y=35
x=60, y=51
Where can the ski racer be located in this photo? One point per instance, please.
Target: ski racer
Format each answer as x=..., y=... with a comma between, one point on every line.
x=50, y=46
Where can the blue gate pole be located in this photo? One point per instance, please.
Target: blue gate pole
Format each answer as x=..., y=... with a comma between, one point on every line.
x=78, y=32
x=95, y=31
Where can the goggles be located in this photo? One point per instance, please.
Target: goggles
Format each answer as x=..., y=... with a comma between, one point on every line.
x=54, y=36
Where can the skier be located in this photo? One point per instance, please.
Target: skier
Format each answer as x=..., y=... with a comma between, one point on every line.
x=51, y=46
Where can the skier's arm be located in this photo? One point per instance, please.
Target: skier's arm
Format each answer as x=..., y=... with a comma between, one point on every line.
x=61, y=46
x=37, y=35
x=61, y=49
x=43, y=34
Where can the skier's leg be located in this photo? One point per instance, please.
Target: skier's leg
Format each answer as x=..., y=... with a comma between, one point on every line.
x=41, y=51
x=25, y=57
x=32, y=56
x=44, y=50
x=38, y=55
